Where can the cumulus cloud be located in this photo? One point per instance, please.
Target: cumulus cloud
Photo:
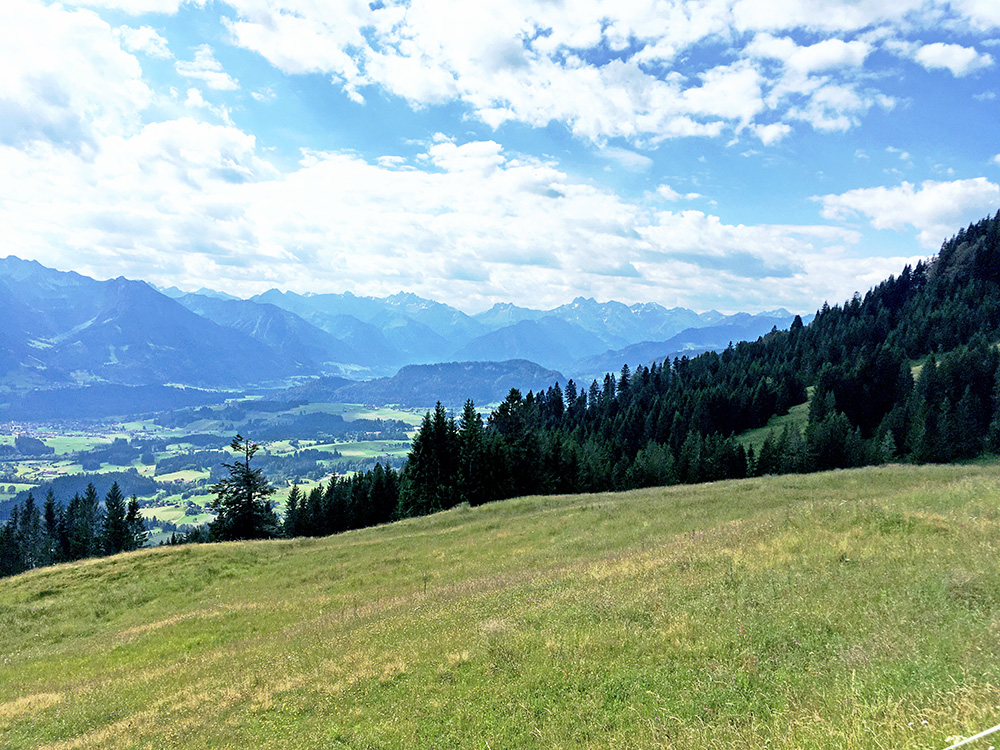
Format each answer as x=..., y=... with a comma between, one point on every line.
x=144, y=39
x=628, y=159
x=138, y=7
x=535, y=63
x=772, y=133
x=529, y=62
x=66, y=78
x=206, y=68
x=961, y=61
x=934, y=209
x=824, y=55
x=186, y=202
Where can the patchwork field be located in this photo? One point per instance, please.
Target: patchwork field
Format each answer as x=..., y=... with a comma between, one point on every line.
x=184, y=490
x=852, y=609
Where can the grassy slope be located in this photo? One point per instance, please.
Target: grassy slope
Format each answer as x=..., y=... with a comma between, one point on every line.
x=852, y=609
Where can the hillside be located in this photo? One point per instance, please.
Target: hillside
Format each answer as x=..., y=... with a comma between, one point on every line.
x=852, y=609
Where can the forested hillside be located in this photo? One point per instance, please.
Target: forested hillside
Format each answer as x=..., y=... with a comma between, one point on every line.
x=907, y=372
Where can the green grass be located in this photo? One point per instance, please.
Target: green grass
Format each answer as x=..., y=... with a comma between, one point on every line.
x=368, y=448
x=350, y=412
x=74, y=443
x=186, y=475
x=852, y=609
x=177, y=513
x=797, y=417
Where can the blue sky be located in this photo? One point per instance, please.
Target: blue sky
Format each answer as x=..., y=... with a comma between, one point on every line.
x=727, y=154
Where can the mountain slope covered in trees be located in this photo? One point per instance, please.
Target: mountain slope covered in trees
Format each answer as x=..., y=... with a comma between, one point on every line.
x=907, y=372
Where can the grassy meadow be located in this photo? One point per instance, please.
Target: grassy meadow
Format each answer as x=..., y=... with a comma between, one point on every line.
x=851, y=609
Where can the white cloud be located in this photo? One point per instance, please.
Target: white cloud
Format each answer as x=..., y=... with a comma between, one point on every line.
x=628, y=159
x=772, y=133
x=195, y=100
x=138, y=7
x=185, y=202
x=66, y=78
x=264, y=95
x=953, y=57
x=935, y=209
x=824, y=55
x=819, y=15
x=996, y=160
x=531, y=62
x=206, y=68
x=144, y=39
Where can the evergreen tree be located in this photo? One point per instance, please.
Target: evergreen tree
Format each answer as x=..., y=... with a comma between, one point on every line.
x=114, y=533
x=136, y=534
x=430, y=477
x=291, y=524
x=242, y=499
x=83, y=523
x=52, y=546
x=471, y=455
x=30, y=533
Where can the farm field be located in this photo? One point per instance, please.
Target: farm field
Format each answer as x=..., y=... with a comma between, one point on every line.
x=156, y=448
x=848, y=609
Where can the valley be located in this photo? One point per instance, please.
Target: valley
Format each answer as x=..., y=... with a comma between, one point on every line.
x=169, y=460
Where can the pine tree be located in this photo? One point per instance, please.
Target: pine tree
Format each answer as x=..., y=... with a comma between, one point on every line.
x=241, y=499
x=135, y=526
x=83, y=523
x=471, y=454
x=290, y=526
x=114, y=531
x=52, y=547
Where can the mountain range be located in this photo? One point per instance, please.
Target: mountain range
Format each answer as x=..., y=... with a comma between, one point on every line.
x=65, y=329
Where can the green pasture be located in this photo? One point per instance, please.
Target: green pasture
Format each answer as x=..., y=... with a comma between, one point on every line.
x=850, y=609
x=797, y=417
x=187, y=475
x=351, y=412
x=371, y=448
x=176, y=514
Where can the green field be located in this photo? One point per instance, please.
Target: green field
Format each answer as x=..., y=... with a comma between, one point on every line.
x=368, y=448
x=852, y=609
x=797, y=417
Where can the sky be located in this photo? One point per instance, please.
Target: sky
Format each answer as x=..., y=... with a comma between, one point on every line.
x=711, y=154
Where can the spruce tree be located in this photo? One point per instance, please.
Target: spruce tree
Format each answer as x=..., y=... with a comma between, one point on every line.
x=135, y=526
x=241, y=499
x=114, y=531
x=290, y=527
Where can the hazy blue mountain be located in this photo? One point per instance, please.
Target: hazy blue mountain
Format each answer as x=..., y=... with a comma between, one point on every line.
x=104, y=401
x=451, y=383
x=63, y=329
x=175, y=293
x=619, y=324
x=297, y=340
x=690, y=342
x=504, y=314
x=84, y=331
x=412, y=329
x=446, y=321
x=549, y=341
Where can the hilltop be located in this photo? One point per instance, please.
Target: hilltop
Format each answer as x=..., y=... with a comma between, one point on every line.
x=849, y=609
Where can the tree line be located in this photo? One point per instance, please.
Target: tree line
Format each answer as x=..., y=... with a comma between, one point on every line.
x=35, y=536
